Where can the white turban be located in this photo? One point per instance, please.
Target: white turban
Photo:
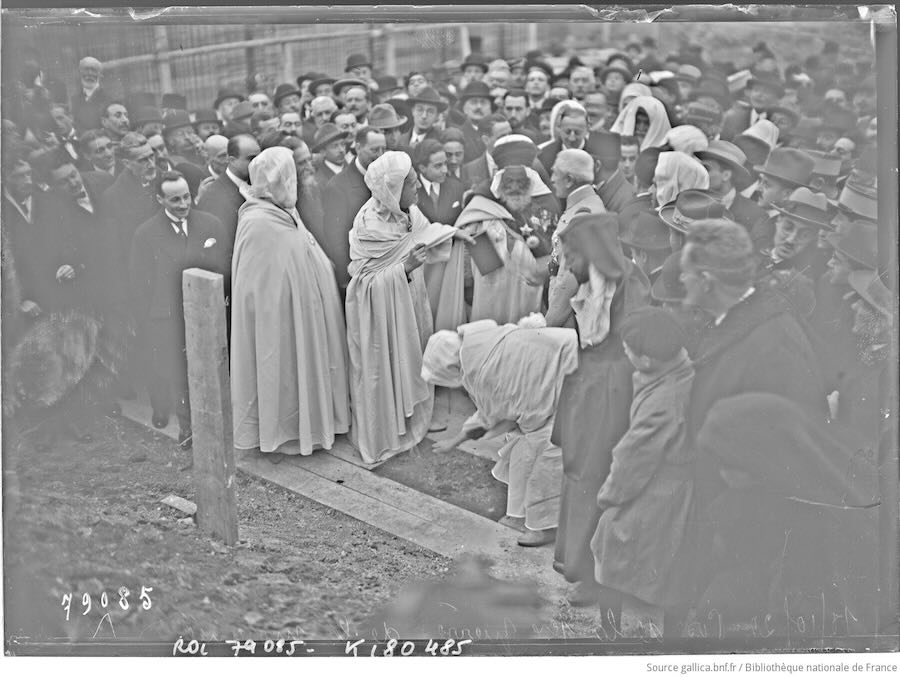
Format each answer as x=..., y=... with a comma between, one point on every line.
x=538, y=187
x=687, y=139
x=440, y=361
x=676, y=172
x=273, y=177
x=385, y=177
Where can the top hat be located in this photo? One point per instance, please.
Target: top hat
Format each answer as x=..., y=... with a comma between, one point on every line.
x=604, y=145
x=204, y=115
x=858, y=240
x=514, y=149
x=176, y=119
x=221, y=96
x=476, y=90
x=697, y=112
x=356, y=60
x=146, y=114
x=475, y=60
x=807, y=206
x=174, y=101
x=668, y=287
x=691, y=206
x=770, y=80
x=688, y=73
x=624, y=72
x=340, y=85
x=647, y=231
x=868, y=284
x=383, y=116
x=326, y=134
x=731, y=155
x=283, y=90
x=321, y=79
x=429, y=97
x=789, y=165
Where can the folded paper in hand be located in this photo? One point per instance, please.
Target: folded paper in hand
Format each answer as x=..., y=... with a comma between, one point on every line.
x=433, y=235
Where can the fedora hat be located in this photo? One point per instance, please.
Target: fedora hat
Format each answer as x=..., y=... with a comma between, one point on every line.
x=698, y=112
x=145, y=115
x=624, y=72
x=475, y=60
x=222, y=95
x=859, y=196
x=243, y=111
x=868, y=284
x=357, y=60
x=321, y=79
x=825, y=164
x=383, y=116
x=283, y=90
x=326, y=134
x=807, y=206
x=340, y=85
x=174, y=101
x=429, y=97
x=770, y=80
x=729, y=154
x=204, y=115
x=688, y=73
x=476, y=90
x=647, y=231
x=388, y=83
x=858, y=241
x=784, y=110
x=176, y=119
x=691, y=206
x=668, y=288
x=788, y=165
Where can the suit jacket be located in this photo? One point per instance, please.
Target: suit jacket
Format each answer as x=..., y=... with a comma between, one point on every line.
x=473, y=146
x=476, y=171
x=86, y=113
x=344, y=195
x=100, y=179
x=30, y=246
x=406, y=138
x=735, y=120
x=308, y=132
x=449, y=202
x=632, y=209
x=222, y=199
x=128, y=204
x=159, y=256
x=746, y=212
x=324, y=174
x=615, y=192
x=547, y=154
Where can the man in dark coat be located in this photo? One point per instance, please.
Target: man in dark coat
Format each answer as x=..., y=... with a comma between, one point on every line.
x=342, y=199
x=573, y=131
x=483, y=168
x=89, y=102
x=331, y=143
x=725, y=163
x=761, y=93
x=611, y=186
x=175, y=239
x=440, y=195
x=476, y=103
x=424, y=109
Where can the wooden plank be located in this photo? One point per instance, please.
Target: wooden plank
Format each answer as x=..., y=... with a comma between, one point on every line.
x=421, y=519
x=210, y=392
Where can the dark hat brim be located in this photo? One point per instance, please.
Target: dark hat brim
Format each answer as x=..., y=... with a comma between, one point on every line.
x=277, y=99
x=660, y=292
x=771, y=84
x=439, y=104
x=339, y=86
x=227, y=95
x=742, y=177
x=818, y=224
x=319, y=145
x=666, y=211
x=313, y=85
x=761, y=169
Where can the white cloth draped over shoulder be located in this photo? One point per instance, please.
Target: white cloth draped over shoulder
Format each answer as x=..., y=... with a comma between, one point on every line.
x=388, y=317
x=288, y=352
x=677, y=172
x=514, y=375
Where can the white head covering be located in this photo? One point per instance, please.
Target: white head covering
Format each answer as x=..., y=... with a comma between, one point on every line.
x=538, y=187
x=273, y=177
x=385, y=177
x=557, y=111
x=763, y=130
x=632, y=90
x=440, y=361
x=675, y=172
x=687, y=139
x=659, y=121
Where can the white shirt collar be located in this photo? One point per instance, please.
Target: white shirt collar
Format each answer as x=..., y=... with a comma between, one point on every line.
x=174, y=219
x=728, y=198
x=428, y=184
x=237, y=181
x=362, y=170
x=333, y=167
x=491, y=165
x=212, y=172
x=26, y=213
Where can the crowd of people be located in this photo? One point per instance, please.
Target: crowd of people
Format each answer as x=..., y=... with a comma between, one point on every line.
x=657, y=277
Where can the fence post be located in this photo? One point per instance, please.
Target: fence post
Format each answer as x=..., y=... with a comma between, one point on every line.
x=210, y=393
x=287, y=62
x=464, y=47
x=161, y=52
x=532, y=36
x=390, y=49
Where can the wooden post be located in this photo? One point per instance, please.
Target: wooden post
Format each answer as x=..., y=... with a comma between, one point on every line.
x=390, y=49
x=163, y=66
x=210, y=390
x=464, y=47
x=532, y=36
x=287, y=62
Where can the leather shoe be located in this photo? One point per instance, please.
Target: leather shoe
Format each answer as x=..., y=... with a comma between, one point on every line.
x=160, y=421
x=535, y=539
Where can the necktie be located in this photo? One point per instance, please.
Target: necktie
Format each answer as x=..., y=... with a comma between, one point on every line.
x=432, y=193
x=182, y=228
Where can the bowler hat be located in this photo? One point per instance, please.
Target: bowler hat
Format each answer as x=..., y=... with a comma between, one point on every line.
x=541, y=66
x=356, y=60
x=624, y=72
x=429, y=97
x=145, y=115
x=691, y=206
x=204, y=115
x=387, y=83
x=807, y=206
x=340, y=85
x=283, y=90
x=514, y=149
x=647, y=231
x=770, y=80
x=688, y=73
x=788, y=165
x=668, y=287
x=174, y=101
x=176, y=119
x=476, y=90
x=729, y=154
x=308, y=77
x=858, y=240
x=321, y=79
x=383, y=116
x=868, y=284
x=326, y=134
x=475, y=60
x=222, y=95
x=604, y=145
